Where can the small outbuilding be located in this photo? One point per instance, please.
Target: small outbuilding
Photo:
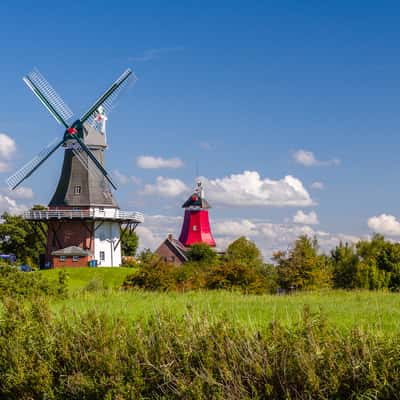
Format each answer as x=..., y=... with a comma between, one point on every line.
x=72, y=256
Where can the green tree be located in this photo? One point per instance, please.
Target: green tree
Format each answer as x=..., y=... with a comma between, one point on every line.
x=345, y=263
x=244, y=251
x=202, y=253
x=129, y=243
x=302, y=267
x=22, y=238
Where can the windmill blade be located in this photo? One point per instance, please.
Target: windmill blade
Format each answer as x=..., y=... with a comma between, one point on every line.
x=94, y=160
x=110, y=95
x=49, y=97
x=29, y=168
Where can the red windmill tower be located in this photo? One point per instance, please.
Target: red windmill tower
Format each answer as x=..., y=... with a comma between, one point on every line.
x=196, y=223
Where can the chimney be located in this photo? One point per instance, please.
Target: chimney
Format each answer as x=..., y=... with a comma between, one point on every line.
x=170, y=236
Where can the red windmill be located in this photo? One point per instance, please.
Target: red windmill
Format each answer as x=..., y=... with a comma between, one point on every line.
x=196, y=224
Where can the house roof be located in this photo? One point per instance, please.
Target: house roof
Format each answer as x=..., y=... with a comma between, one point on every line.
x=176, y=247
x=72, y=251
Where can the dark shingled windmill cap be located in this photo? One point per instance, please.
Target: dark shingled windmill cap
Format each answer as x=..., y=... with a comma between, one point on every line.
x=196, y=201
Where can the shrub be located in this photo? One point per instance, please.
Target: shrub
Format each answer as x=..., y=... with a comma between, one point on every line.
x=202, y=253
x=231, y=275
x=14, y=283
x=153, y=275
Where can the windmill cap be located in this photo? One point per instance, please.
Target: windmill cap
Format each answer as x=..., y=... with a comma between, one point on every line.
x=195, y=200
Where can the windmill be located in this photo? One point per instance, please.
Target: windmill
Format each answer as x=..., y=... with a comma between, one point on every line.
x=83, y=218
x=196, y=224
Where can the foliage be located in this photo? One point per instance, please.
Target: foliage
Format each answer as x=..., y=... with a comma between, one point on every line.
x=302, y=267
x=345, y=263
x=129, y=243
x=236, y=275
x=202, y=253
x=92, y=356
x=245, y=252
x=153, y=274
x=205, y=271
x=14, y=283
x=19, y=237
x=370, y=264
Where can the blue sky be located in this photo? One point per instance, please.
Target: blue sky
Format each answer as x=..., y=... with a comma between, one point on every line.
x=230, y=87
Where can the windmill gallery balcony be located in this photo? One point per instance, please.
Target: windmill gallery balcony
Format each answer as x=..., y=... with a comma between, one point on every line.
x=86, y=214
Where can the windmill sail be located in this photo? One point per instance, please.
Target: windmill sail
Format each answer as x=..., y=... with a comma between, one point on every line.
x=49, y=97
x=107, y=100
x=27, y=170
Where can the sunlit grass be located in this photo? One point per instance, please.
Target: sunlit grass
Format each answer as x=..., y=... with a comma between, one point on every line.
x=346, y=310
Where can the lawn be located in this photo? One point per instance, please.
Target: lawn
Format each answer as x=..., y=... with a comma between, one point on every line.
x=79, y=278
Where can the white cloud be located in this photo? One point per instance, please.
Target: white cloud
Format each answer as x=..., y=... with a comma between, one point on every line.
x=150, y=162
x=165, y=187
x=22, y=192
x=7, y=150
x=123, y=179
x=9, y=205
x=135, y=180
x=243, y=227
x=120, y=177
x=152, y=54
x=317, y=185
x=249, y=189
x=206, y=146
x=385, y=224
x=308, y=159
x=4, y=167
x=306, y=219
x=156, y=229
x=7, y=146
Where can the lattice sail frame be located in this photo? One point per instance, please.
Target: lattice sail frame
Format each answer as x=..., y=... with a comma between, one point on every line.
x=53, y=102
x=107, y=105
x=45, y=92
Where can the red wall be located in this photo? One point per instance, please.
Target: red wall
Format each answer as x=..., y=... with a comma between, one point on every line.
x=82, y=262
x=68, y=233
x=196, y=228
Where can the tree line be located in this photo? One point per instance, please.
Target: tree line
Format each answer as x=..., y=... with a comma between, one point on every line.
x=368, y=264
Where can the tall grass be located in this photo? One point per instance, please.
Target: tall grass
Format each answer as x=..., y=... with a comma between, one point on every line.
x=93, y=355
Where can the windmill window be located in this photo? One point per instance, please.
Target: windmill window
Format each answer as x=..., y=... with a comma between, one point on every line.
x=75, y=258
x=195, y=228
x=77, y=190
x=102, y=256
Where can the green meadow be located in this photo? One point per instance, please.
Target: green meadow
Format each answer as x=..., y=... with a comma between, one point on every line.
x=99, y=289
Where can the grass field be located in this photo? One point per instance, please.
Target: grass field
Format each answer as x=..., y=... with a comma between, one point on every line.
x=78, y=278
x=377, y=311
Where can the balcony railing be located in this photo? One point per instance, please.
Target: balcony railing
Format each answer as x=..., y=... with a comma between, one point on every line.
x=129, y=216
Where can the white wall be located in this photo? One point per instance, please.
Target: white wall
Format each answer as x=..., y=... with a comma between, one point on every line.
x=106, y=236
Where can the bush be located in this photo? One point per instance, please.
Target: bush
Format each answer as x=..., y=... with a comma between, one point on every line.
x=202, y=253
x=231, y=275
x=153, y=275
x=14, y=283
